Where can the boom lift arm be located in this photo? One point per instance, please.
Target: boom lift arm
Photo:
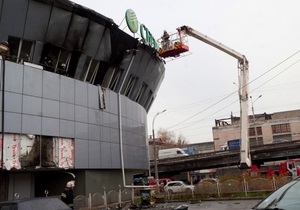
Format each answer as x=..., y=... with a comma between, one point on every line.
x=243, y=88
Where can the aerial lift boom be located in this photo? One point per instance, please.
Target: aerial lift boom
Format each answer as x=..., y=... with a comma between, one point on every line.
x=243, y=84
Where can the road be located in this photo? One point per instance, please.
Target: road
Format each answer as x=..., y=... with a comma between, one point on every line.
x=212, y=205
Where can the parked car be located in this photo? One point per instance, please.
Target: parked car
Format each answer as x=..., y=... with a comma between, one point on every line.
x=41, y=203
x=286, y=197
x=178, y=187
x=164, y=181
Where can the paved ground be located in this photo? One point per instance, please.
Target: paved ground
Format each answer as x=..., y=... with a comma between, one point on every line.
x=208, y=205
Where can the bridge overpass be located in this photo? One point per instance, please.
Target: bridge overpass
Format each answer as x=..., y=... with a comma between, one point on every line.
x=259, y=155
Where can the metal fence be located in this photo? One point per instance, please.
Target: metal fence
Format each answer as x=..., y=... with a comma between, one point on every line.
x=231, y=186
x=104, y=200
x=205, y=188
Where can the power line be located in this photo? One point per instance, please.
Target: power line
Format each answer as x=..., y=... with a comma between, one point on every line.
x=202, y=110
x=287, y=68
x=209, y=115
x=246, y=84
x=276, y=66
x=187, y=106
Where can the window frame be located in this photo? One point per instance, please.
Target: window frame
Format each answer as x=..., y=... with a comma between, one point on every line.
x=18, y=58
x=281, y=128
x=130, y=85
x=89, y=73
x=141, y=92
x=251, y=131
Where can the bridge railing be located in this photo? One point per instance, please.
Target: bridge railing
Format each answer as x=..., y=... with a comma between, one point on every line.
x=218, y=159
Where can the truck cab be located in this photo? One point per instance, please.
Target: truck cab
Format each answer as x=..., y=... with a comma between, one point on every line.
x=292, y=167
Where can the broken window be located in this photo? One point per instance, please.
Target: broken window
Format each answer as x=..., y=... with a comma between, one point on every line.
x=55, y=59
x=141, y=92
x=115, y=78
x=131, y=81
x=150, y=100
x=111, y=78
x=20, y=50
x=90, y=70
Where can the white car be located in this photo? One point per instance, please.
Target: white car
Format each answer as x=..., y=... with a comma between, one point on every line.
x=178, y=187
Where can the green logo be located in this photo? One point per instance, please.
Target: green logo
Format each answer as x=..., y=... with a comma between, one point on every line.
x=133, y=25
x=131, y=20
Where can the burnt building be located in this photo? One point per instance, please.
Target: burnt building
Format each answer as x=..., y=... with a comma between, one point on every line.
x=75, y=92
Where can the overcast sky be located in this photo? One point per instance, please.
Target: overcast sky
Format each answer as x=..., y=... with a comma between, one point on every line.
x=200, y=87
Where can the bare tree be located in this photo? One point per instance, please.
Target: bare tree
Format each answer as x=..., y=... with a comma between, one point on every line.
x=169, y=137
x=181, y=140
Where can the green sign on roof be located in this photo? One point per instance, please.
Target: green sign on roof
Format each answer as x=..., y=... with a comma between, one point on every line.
x=131, y=20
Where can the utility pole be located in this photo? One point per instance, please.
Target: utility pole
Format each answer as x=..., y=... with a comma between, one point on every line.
x=255, y=130
x=155, y=153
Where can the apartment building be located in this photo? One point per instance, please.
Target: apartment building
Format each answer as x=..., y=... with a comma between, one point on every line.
x=263, y=128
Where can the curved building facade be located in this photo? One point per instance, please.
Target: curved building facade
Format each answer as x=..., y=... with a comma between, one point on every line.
x=75, y=92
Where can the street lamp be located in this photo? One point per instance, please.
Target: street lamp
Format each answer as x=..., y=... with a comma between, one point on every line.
x=252, y=102
x=154, y=149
